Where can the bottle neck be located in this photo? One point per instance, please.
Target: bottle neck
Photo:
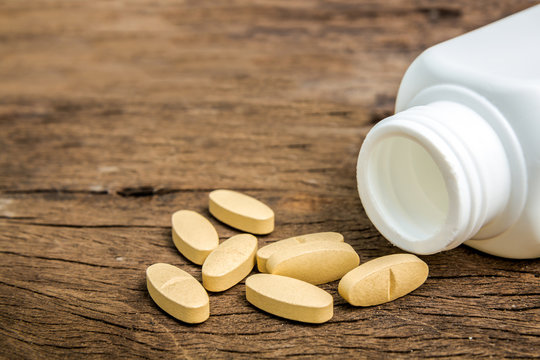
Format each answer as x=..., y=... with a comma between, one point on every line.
x=430, y=177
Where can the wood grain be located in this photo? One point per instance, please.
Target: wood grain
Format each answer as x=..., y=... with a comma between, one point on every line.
x=113, y=115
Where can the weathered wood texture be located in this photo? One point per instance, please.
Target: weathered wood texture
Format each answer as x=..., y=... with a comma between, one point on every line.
x=114, y=114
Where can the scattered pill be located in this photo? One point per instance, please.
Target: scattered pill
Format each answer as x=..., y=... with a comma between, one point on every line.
x=316, y=262
x=241, y=211
x=289, y=298
x=193, y=235
x=229, y=263
x=383, y=279
x=266, y=251
x=295, y=265
x=177, y=293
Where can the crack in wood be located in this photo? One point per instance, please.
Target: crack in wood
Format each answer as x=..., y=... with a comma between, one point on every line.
x=78, y=262
x=129, y=191
x=80, y=226
x=5, y=217
x=53, y=191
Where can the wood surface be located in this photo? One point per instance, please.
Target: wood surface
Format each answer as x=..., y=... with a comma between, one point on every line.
x=115, y=114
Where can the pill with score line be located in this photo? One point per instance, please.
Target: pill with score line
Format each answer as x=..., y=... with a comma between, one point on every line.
x=177, y=293
x=383, y=279
x=316, y=262
x=264, y=253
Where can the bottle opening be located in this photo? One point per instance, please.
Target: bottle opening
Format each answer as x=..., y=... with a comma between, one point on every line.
x=408, y=188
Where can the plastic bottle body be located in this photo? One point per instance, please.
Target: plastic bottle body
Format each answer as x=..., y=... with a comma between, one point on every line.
x=460, y=160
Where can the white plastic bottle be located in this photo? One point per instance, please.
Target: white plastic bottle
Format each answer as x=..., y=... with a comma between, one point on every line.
x=460, y=159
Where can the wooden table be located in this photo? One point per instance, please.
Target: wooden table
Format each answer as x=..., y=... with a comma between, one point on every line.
x=115, y=114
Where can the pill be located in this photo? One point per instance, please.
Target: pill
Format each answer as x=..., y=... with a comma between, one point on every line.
x=177, y=293
x=266, y=251
x=241, y=211
x=232, y=261
x=193, y=235
x=383, y=279
x=316, y=262
x=289, y=298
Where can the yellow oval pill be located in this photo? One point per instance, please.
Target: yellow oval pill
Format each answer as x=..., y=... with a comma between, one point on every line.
x=241, y=211
x=289, y=298
x=232, y=261
x=264, y=253
x=177, y=293
x=316, y=262
x=193, y=235
x=383, y=279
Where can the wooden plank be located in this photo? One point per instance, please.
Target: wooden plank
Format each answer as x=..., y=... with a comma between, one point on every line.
x=113, y=115
x=81, y=290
